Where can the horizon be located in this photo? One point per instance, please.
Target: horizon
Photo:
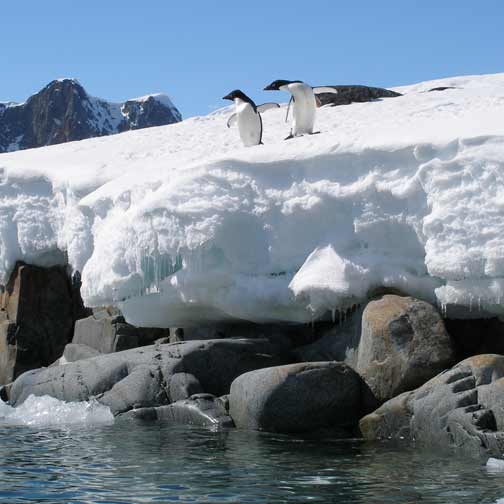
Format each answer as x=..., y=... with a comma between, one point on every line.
x=197, y=54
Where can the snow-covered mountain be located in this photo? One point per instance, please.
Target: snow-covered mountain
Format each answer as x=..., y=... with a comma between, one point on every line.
x=184, y=225
x=63, y=112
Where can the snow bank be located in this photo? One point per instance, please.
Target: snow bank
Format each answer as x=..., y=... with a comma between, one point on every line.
x=44, y=411
x=182, y=225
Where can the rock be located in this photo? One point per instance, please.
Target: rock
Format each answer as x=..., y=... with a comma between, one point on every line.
x=142, y=377
x=355, y=93
x=111, y=333
x=441, y=88
x=74, y=352
x=204, y=410
x=38, y=306
x=462, y=408
x=183, y=385
x=298, y=398
x=337, y=342
x=476, y=336
x=403, y=344
x=64, y=112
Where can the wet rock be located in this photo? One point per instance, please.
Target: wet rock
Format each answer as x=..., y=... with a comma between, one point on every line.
x=462, y=408
x=403, y=344
x=204, y=410
x=298, y=398
x=141, y=377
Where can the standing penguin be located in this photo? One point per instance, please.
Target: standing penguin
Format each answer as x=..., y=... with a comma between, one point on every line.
x=248, y=117
x=304, y=104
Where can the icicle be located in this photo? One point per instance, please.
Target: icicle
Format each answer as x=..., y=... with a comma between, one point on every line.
x=333, y=314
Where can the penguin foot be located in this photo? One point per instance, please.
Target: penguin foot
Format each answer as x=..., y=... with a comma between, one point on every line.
x=289, y=137
x=315, y=133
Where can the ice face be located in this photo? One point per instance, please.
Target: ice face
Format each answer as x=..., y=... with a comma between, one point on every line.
x=182, y=225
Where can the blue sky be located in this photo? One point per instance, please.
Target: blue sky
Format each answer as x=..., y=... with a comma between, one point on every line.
x=197, y=51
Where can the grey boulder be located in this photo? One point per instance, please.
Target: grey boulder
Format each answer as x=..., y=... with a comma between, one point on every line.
x=110, y=333
x=403, y=344
x=298, y=398
x=147, y=376
x=462, y=408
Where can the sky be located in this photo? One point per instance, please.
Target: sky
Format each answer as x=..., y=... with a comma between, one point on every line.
x=197, y=51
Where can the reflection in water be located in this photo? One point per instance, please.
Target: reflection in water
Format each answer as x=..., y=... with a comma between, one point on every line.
x=132, y=463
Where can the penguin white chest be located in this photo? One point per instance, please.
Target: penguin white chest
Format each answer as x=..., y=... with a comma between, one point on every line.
x=249, y=123
x=303, y=109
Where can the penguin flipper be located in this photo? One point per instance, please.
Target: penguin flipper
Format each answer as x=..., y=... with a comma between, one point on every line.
x=288, y=108
x=232, y=120
x=324, y=89
x=267, y=106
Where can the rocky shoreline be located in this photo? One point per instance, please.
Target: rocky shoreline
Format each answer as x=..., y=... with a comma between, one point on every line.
x=394, y=369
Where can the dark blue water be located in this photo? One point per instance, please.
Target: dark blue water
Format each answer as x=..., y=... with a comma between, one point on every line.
x=132, y=463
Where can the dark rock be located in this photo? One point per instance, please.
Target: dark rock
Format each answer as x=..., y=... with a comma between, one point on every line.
x=298, y=398
x=111, y=333
x=141, y=377
x=204, y=410
x=476, y=336
x=462, y=408
x=64, y=112
x=441, y=88
x=355, y=93
x=336, y=342
x=403, y=344
x=39, y=306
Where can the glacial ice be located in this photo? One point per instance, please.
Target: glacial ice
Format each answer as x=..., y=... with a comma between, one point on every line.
x=181, y=225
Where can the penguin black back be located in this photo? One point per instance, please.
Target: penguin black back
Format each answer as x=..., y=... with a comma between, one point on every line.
x=277, y=84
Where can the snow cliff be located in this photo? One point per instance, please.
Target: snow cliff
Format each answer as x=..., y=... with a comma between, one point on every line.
x=181, y=225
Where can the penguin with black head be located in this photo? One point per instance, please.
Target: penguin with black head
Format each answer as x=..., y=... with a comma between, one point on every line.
x=304, y=104
x=248, y=117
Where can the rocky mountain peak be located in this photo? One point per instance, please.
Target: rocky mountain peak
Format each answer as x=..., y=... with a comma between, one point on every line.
x=63, y=111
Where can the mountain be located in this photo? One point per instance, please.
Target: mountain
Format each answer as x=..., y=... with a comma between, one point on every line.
x=63, y=112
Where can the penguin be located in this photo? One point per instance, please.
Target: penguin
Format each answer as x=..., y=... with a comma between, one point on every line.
x=248, y=117
x=304, y=104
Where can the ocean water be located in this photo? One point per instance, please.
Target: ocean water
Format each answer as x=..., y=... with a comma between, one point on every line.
x=98, y=460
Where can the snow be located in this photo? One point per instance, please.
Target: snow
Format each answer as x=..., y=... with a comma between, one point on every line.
x=182, y=225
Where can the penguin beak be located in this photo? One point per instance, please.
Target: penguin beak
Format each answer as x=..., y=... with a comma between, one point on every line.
x=227, y=97
x=269, y=87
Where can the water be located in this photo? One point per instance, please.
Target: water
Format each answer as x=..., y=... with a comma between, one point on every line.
x=125, y=462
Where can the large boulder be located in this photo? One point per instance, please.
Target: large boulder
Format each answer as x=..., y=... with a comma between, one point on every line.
x=149, y=376
x=403, y=344
x=38, y=309
x=204, y=410
x=108, y=333
x=462, y=408
x=298, y=398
